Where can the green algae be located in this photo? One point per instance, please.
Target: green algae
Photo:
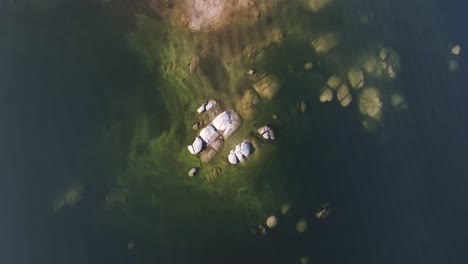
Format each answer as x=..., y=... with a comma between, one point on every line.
x=153, y=197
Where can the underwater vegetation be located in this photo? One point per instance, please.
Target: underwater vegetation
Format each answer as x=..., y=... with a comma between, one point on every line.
x=178, y=175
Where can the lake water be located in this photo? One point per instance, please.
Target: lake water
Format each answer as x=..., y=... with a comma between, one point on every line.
x=97, y=104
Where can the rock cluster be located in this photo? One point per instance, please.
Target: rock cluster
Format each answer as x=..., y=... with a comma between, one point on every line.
x=207, y=106
x=335, y=84
x=240, y=152
x=210, y=140
x=266, y=132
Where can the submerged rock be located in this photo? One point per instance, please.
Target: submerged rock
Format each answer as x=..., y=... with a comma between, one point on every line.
x=267, y=87
x=192, y=172
x=369, y=102
x=347, y=100
x=308, y=66
x=248, y=103
x=207, y=106
x=356, y=77
x=302, y=106
x=334, y=81
x=301, y=226
x=194, y=62
x=343, y=95
x=318, y=5
x=272, y=221
x=196, y=146
x=456, y=50
x=326, y=42
x=326, y=95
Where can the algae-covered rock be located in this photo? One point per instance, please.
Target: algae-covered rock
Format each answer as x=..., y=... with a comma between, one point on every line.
x=370, y=103
x=194, y=62
x=325, y=42
x=267, y=87
x=247, y=105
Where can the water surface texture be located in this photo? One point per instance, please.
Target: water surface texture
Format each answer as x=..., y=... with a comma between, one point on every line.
x=367, y=101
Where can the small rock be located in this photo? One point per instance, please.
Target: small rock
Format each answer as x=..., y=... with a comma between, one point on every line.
x=194, y=62
x=266, y=132
x=196, y=126
x=196, y=146
x=202, y=108
x=308, y=66
x=325, y=42
x=192, y=172
x=272, y=221
x=452, y=65
x=384, y=53
x=301, y=226
x=456, y=50
x=267, y=87
x=304, y=260
x=302, y=106
x=251, y=72
x=210, y=105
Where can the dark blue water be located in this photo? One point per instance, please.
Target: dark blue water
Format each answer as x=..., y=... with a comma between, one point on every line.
x=397, y=196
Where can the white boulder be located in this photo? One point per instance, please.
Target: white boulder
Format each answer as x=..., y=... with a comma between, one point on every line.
x=196, y=146
x=209, y=134
x=210, y=105
x=202, y=108
x=266, y=132
x=238, y=153
x=227, y=122
x=232, y=158
x=246, y=148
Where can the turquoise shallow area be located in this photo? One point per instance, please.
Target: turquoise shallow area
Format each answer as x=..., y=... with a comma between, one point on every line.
x=97, y=104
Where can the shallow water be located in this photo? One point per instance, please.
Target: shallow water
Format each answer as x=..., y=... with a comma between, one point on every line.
x=93, y=96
